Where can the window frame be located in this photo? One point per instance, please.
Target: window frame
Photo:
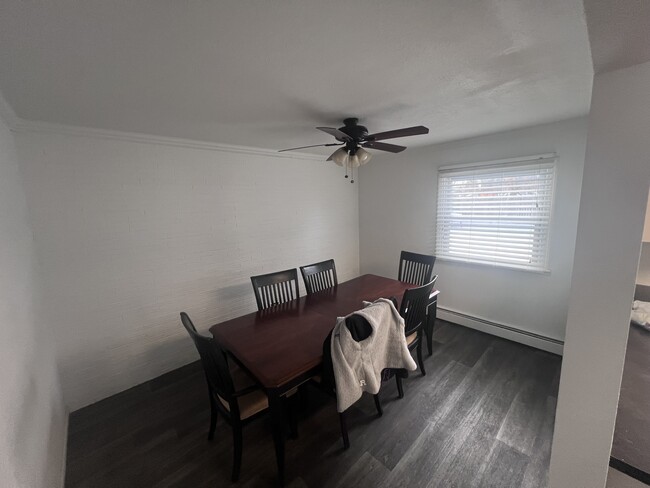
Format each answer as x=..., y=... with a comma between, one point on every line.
x=549, y=160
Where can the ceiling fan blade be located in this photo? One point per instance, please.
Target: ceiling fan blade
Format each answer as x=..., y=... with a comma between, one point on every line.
x=341, y=136
x=313, y=145
x=391, y=134
x=382, y=146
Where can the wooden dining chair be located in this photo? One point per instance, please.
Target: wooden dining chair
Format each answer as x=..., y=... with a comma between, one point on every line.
x=232, y=392
x=414, y=311
x=319, y=276
x=275, y=288
x=418, y=269
x=326, y=381
x=415, y=268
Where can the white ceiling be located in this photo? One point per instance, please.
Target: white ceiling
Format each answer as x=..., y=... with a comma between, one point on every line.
x=619, y=31
x=264, y=73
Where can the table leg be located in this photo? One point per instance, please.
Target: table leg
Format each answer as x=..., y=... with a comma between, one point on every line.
x=276, y=405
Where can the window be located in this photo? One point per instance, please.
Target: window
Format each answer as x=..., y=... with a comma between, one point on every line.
x=497, y=213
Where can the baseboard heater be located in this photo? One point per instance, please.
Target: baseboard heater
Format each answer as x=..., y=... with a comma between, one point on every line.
x=509, y=332
x=630, y=470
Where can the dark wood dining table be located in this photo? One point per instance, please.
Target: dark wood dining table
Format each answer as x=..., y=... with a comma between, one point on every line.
x=282, y=347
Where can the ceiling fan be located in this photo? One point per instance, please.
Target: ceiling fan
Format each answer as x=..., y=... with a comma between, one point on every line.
x=354, y=138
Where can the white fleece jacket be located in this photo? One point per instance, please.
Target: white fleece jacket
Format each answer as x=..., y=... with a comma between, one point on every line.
x=358, y=365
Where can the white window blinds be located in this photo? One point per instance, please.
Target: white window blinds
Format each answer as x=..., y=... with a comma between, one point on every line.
x=497, y=213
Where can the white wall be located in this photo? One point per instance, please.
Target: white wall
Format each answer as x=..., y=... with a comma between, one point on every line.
x=397, y=202
x=610, y=227
x=131, y=233
x=32, y=418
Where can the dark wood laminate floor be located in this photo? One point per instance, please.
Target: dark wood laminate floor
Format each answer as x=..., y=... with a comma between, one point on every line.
x=482, y=417
x=632, y=433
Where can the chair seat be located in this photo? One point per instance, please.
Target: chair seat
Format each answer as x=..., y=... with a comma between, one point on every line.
x=255, y=401
x=410, y=339
x=250, y=404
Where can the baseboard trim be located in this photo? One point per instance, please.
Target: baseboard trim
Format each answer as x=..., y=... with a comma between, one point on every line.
x=629, y=470
x=509, y=332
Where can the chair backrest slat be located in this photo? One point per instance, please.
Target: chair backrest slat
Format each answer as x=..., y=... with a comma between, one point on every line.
x=415, y=268
x=319, y=276
x=275, y=288
x=414, y=307
x=214, y=360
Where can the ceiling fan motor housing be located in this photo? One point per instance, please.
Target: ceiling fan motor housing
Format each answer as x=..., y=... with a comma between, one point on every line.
x=355, y=131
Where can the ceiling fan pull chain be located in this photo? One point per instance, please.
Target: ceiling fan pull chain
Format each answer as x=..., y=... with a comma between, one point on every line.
x=346, y=169
x=352, y=174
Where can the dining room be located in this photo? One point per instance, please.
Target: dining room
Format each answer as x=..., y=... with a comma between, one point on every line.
x=482, y=414
x=270, y=244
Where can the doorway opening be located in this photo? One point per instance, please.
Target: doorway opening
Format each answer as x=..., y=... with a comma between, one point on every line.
x=630, y=453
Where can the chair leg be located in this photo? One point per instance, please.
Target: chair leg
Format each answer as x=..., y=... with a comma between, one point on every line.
x=344, y=430
x=430, y=323
x=380, y=412
x=213, y=419
x=237, y=451
x=420, y=359
x=400, y=387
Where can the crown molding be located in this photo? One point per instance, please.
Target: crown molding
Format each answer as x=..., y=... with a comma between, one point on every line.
x=19, y=125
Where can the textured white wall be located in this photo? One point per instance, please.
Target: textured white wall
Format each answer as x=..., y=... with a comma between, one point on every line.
x=397, y=203
x=32, y=418
x=129, y=234
x=610, y=227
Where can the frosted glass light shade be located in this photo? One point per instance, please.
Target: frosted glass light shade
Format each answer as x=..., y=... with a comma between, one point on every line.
x=359, y=158
x=340, y=156
x=363, y=156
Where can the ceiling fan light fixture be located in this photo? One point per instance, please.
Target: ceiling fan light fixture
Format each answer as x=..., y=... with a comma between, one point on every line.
x=363, y=156
x=340, y=156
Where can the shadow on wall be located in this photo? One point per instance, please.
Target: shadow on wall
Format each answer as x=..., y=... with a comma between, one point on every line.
x=107, y=371
x=643, y=277
x=27, y=439
x=242, y=292
x=173, y=353
x=32, y=427
x=152, y=341
x=58, y=428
